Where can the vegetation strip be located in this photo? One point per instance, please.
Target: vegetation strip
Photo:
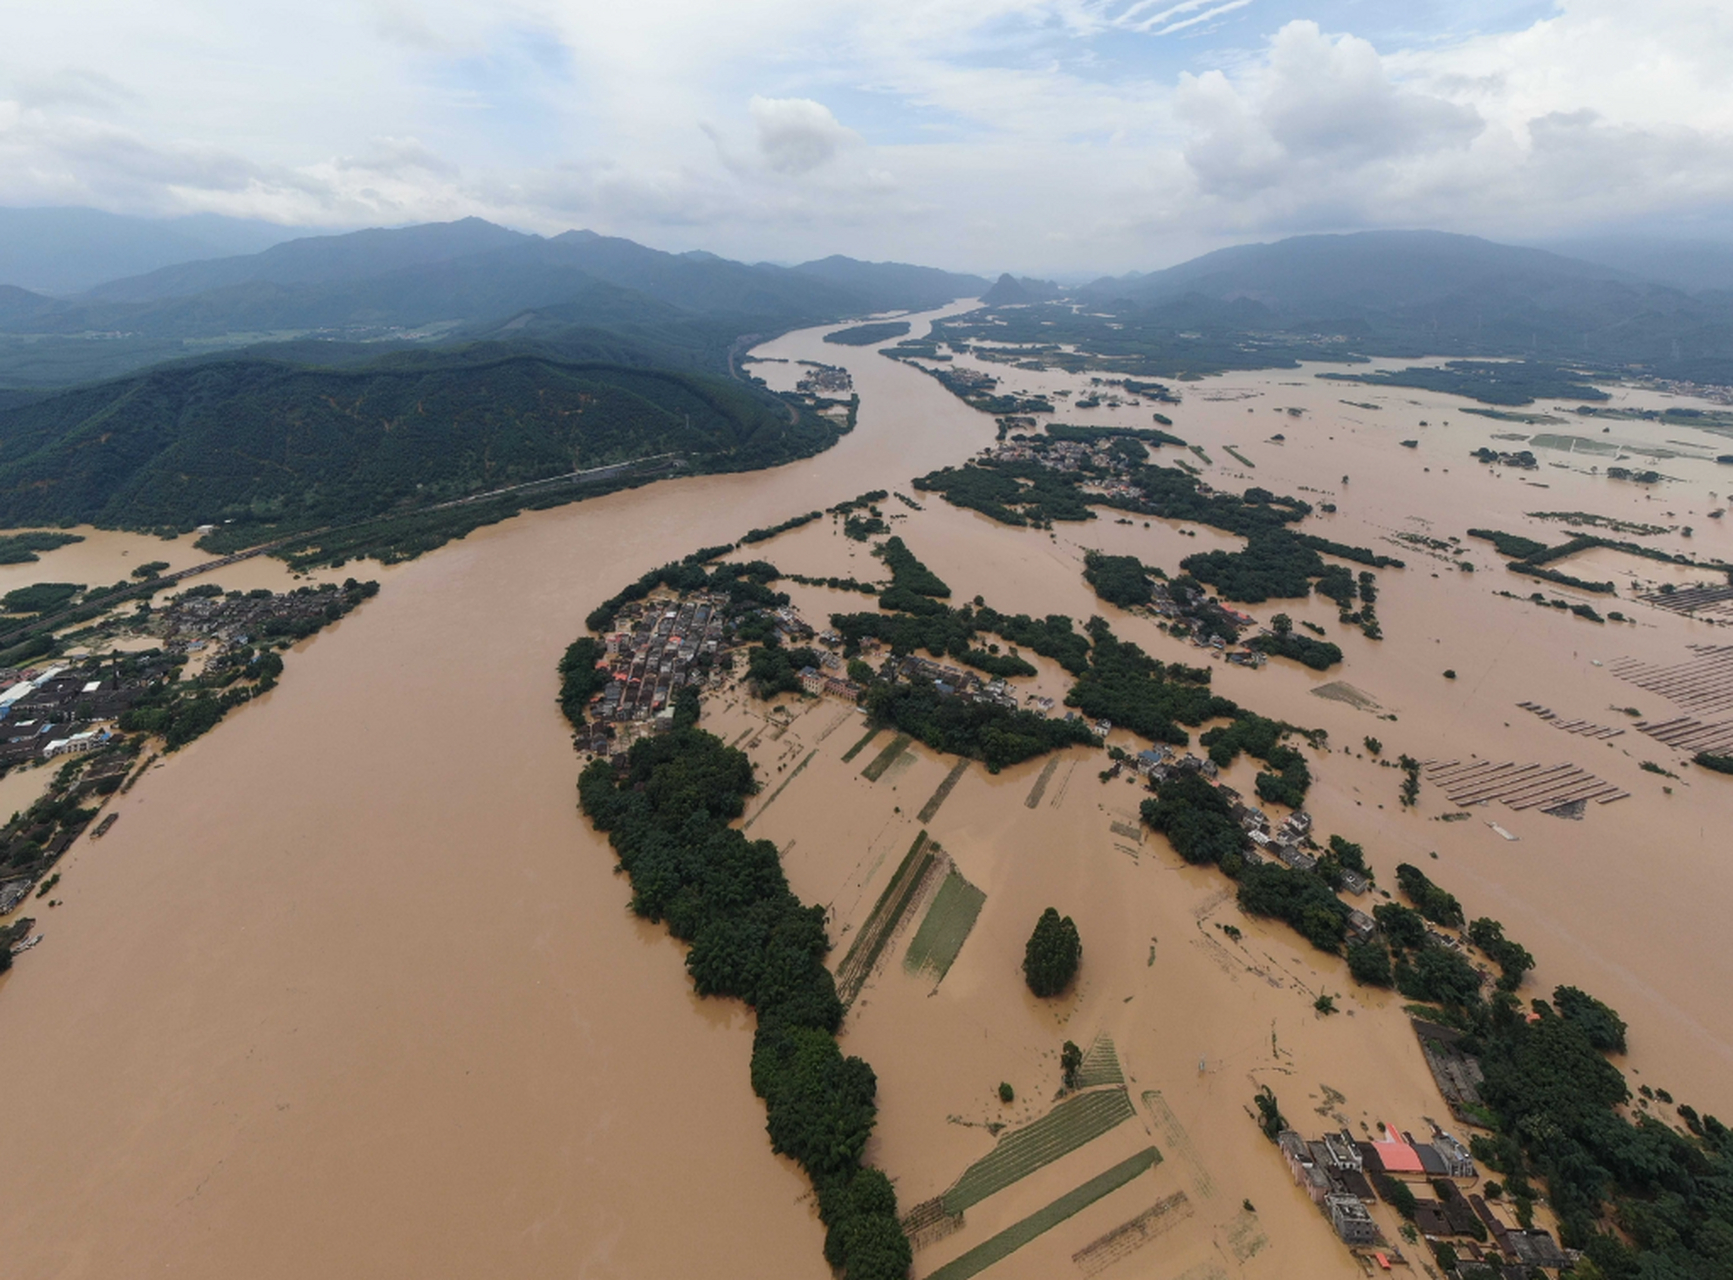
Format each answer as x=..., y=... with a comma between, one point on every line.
x=866, y=737
x=1074, y=1123
x=1017, y=1235
x=1125, y=1239
x=955, y=776
x=747, y=825
x=1100, y=1065
x=1035, y=792
x=881, y=922
x=876, y=767
x=945, y=927
x=667, y=813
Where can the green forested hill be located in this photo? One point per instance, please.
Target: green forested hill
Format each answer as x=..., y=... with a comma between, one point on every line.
x=278, y=447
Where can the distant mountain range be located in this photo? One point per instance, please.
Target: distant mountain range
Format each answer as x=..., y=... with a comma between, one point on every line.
x=327, y=377
x=448, y=280
x=65, y=251
x=1432, y=293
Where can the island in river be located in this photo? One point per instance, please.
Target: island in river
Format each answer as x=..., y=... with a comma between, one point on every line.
x=353, y=986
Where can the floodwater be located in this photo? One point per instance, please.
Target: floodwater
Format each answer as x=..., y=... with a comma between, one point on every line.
x=351, y=989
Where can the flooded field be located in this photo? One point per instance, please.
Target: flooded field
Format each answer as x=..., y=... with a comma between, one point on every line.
x=351, y=988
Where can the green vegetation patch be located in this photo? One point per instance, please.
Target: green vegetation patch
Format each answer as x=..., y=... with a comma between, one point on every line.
x=267, y=450
x=865, y=335
x=794, y=522
x=1075, y=1122
x=1089, y=435
x=1505, y=415
x=40, y=597
x=1283, y=641
x=945, y=927
x=1515, y=382
x=884, y=759
x=939, y=796
x=1151, y=698
x=908, y=573
x=859, y=746
x=1514, y=545
x=1100, y=1065
x=1013, y=493
x=881, y=923
x=1120, y=580
x=1717, y=763
x=22, y=548
x=1017, y=1235
x=987, y=731
x=1274, y=564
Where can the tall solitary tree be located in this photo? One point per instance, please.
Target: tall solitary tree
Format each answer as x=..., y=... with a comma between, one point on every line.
x=1050, y=959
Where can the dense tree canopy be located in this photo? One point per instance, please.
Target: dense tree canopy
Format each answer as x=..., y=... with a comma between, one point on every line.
x=1050, y=958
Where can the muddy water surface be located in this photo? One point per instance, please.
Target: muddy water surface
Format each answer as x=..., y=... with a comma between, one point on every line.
x=351, y=989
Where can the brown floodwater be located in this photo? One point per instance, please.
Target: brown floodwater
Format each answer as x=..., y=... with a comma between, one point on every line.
x=351, y=989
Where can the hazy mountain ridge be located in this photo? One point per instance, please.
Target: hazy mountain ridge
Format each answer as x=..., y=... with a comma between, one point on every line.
x=62, y=251
x=580, y=291
x=1428, y=292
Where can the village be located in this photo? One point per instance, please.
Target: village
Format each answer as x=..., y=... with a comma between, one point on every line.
x=661, y=644
x=94, y=713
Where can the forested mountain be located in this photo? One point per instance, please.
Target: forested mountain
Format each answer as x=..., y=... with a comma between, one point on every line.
x=317, y=260
x=362, y=281
x=586, y=293
x=1426, y=292
x=285, y=447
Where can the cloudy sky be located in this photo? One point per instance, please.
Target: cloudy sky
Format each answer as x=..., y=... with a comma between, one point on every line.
x=1058, y=136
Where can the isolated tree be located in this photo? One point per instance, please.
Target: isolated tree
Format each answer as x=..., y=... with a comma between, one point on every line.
x=1070, y=1063
x=1050, y=959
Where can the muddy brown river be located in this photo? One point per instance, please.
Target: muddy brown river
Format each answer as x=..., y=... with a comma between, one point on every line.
x=351, y=989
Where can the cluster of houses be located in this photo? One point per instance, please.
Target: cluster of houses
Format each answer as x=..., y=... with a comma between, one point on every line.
x=664, y=648
x=1338, y=1171
x=820, y=683
x=1057, y=455
x=204, y=616
x=45, y=714
x=824, y=380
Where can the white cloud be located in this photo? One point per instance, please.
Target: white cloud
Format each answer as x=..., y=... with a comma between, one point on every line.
x=1039, y=135
x=797, y=135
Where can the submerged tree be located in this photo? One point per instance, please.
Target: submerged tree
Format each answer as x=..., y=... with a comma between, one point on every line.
x=1070, y=1063
x=1050, y=959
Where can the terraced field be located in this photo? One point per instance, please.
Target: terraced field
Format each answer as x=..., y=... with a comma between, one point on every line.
x=1100, y=1065
x=945, y=927
x=1073, y=1123
x=1018, y=1234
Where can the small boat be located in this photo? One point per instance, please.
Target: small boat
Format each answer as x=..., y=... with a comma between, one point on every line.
x=19, y=948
